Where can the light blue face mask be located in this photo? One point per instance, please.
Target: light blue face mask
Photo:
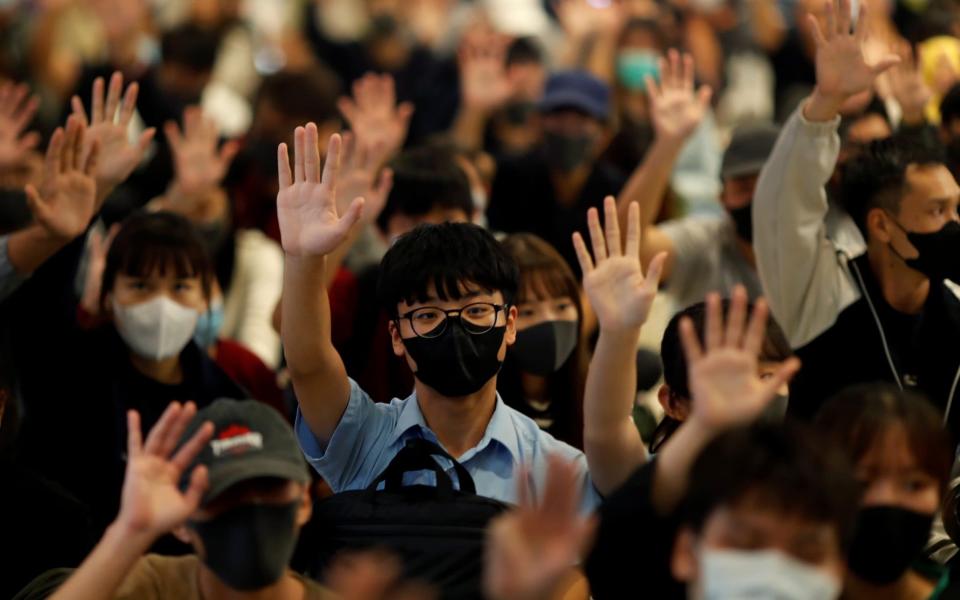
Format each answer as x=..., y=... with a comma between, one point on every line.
x=633, y=67
x=209, y=325
x=728, y=574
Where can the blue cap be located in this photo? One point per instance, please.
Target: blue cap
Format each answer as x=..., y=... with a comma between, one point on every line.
x=578, y=90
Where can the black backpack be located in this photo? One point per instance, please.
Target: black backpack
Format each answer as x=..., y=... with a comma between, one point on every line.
x=437, y=532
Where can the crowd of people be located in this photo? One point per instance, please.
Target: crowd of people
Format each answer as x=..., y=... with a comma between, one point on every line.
x=503, y=299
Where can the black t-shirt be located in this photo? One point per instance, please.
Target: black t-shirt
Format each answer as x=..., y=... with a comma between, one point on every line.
x=523, y=199
x=632, y=552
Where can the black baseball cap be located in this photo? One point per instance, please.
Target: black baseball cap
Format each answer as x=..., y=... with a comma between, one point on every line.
x=749, y=149
x=578, y=90
x=250, y=440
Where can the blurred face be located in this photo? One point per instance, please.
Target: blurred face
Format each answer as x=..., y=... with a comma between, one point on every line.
x=571, y=123
x=183, y=83
x=528, y=80
x=752, y=527
x=129, y=290
x=929, y=202
x=738, y=192
x=891, y=476
x=255, y=491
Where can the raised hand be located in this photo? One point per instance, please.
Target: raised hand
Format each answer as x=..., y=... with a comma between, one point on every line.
x=375, y=117
x=843, y=70
x=310, y=223
x=676, y=109
x=198, y=166
x=152, y=503
x=482, y=59
x=16, y=111
x=530, y=548
x=358, y=179
x=614, y=281
x=908, y=86
x=108, y=125
x=726, y=389
x=66, y=200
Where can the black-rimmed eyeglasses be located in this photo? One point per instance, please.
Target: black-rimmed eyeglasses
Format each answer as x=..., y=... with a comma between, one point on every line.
x=430, y=322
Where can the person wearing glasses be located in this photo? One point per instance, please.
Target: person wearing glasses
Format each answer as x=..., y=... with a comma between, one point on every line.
x=450, y=290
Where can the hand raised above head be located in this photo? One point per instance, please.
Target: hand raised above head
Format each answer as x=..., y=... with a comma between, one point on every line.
x=375, y=117
x=310, y=224
x=16, y=111
x=676, y=108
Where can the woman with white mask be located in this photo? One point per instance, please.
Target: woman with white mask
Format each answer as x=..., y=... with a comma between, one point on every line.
x=78, y=384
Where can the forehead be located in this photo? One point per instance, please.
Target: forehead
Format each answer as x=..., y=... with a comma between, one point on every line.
x=766, y=526
x=931, y=182
x=890, y=451
x=467, y=290
x=159, y=274
x=868, y=128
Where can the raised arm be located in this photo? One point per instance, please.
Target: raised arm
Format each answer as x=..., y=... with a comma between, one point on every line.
x=152, y=503
x=676, y=110
x=63, y=206
x=803, y=278
x=16, y=111
x=311, y=228
x=379, y=123
x=621, y=296
x=484, y=85
x=726, y=389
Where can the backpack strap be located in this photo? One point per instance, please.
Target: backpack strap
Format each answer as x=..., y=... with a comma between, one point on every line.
x=417, y=455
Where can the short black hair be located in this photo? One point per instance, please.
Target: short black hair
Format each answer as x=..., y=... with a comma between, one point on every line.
x=445, y=255
x=876, y=177
x=950, y=105
x=524, y=50
x=148, y=242
x=783, y=467
x=191, y=46
x=859, y=416
x=308, y=95
x=426, y=178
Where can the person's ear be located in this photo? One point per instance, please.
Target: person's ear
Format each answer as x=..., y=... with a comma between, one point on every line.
x=511, y=334
x=879, y=226
x=673, y=407
x=306, y=507
x=683, y=561
x=395, y=340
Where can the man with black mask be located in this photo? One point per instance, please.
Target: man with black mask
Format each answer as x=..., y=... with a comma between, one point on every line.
x=450, y=291
x=888, y=314
x=229, y=480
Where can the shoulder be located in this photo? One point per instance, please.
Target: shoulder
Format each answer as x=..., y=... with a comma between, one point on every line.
x=535, y=442
x=156, y=576
x=254, y=246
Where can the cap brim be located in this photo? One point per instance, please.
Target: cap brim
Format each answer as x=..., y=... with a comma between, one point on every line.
x=745, y=168
x=231, y=474
x=576, y=101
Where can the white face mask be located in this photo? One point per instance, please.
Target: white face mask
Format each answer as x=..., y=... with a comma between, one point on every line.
x=762, y=575
x=156, y=329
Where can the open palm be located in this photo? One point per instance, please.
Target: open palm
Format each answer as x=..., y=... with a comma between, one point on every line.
x=197, y=163
x=358, y=179
x=614, y=281
x=16, y=111
x=66, y=200
x=310, y=224
x=374, y=115
x=108, y=126
x=726, y=387
x=483, y=70
x=843, y=69
x=152, y=501
x=676, y=109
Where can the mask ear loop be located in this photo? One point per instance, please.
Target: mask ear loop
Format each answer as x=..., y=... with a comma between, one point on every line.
x=904, y=230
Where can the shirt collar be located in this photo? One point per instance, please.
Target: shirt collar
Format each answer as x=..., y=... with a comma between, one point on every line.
x=500, y=429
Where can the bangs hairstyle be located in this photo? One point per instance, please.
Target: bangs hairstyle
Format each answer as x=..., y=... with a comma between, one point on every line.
x=544, y=274
x=157, y=242
x=446, y=256
x=783, y=468
x=858, y=418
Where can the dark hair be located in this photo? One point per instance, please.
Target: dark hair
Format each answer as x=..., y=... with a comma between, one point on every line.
x=950, y=105
x=784, y=467
x=859, y=416
x=424, y=179
x=874, y=107
x=157, y=241
x=775, y=348
x=876, y=177
x=309, y=95
x=446, y=256
x=191, y=46
x=524, y=50
x=544, y=274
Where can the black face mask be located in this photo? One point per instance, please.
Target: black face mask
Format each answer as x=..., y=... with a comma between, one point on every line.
x=887, y=540
x=545, y=347
x=518, y=113
x=566, y=152
x=250, y=547
x=939, y=252
x=456, y=363
x=742, y=222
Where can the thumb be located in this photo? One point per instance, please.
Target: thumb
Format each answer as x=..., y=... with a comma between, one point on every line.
x=38, y=208
x=782, y=377
x=885, y=63
x=198, y=485
x=353, y=213
x=655, y=270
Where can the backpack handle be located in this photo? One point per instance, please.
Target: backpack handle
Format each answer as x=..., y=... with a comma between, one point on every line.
x=417, y=455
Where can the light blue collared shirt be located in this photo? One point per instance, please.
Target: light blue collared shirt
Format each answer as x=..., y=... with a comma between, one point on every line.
x=370, y=434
